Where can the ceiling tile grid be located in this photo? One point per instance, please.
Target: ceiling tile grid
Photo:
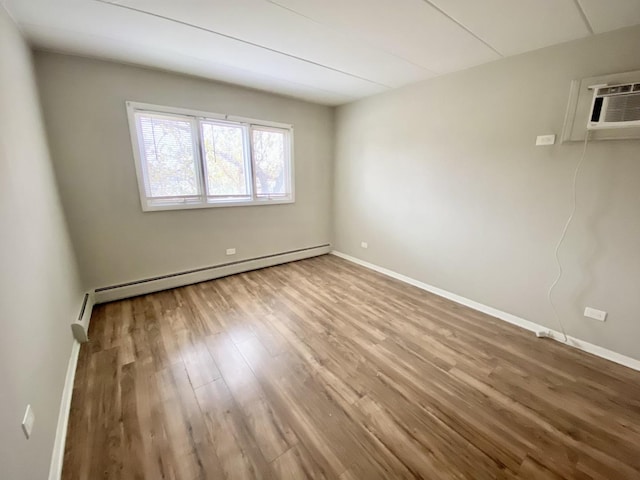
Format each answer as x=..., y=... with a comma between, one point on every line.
x=516, y=27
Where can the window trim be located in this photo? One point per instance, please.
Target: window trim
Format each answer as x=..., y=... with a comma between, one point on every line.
x=194, y=117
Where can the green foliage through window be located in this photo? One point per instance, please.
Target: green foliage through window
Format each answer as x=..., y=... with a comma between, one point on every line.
x=187, y=159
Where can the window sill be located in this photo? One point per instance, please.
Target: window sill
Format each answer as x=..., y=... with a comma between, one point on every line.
x=231, y=203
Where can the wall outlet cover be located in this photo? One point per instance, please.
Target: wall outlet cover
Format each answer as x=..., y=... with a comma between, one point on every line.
x=545, y=140
x=364, y=244
x=595, y=314
x=231, y=251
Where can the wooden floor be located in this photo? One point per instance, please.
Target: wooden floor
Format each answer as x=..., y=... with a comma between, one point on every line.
x=324, y=369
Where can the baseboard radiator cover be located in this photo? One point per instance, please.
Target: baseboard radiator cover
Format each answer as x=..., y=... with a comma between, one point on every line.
x=499, y=314
x=80, y=328
x=203, y=274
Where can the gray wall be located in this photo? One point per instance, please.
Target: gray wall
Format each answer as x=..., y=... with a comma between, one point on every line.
x=39, y=289
x=443, y=180
x=84, y=105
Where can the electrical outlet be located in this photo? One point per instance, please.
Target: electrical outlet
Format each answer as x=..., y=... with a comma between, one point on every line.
x=231, y=251
x=28, y=421
x=545, y=140
x=595, y=314
x=364, y=244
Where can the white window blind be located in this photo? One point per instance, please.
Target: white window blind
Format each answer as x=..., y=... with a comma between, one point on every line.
x=169, y=157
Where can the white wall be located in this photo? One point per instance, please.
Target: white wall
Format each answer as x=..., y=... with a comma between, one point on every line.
x=39, y=289
x=443, y=180
x=84, y=105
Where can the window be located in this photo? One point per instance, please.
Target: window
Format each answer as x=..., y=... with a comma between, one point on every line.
x=189, y=159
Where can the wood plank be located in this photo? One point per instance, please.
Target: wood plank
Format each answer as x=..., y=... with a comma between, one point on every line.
x=188, y=441
x=237, y=451
x=272, y=435
x=297, y=463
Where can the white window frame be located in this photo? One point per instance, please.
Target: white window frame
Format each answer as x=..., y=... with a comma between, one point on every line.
x=202, y=200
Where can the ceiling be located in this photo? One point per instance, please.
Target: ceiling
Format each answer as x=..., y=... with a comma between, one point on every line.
x=326, y=51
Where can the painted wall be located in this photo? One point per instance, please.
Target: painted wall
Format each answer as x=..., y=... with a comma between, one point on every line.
x=84, y=105
x=40, y=294
x=443, y=181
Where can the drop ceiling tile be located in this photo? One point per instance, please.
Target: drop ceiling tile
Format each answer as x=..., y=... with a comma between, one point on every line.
x=513, y=27
x=267, y=25
x=611, y=14
x=134, y=37
x=411, y=29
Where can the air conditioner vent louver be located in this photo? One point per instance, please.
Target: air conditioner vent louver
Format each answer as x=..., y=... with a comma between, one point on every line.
x=623, y=108
x=615, y=106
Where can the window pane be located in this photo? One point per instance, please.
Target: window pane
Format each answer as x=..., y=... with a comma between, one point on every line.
x=225, y=159
x=169, y=158
x=270, y=163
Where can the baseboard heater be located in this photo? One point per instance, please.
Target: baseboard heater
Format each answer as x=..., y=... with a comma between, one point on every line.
x=203, y=274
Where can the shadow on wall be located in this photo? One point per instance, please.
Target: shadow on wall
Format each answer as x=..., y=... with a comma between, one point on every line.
x=595, y=230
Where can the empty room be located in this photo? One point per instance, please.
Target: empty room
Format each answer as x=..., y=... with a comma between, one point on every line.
x=319, y=239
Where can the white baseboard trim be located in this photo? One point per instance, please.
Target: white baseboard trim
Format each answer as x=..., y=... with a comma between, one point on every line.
x=57, y=457
x=494, y=312
x=143, y=287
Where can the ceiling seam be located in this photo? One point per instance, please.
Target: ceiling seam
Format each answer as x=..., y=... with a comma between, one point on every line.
x=583, y=14
x=288, y=9
x=246, y=42
x=463, y=26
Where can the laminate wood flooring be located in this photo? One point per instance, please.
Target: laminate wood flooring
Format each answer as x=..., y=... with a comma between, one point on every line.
x=322, y=369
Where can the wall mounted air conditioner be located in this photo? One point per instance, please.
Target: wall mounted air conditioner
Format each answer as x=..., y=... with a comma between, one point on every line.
x=615, y=106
